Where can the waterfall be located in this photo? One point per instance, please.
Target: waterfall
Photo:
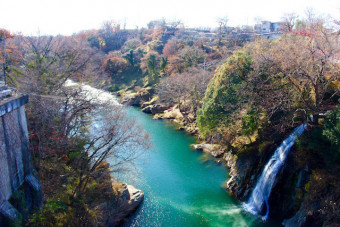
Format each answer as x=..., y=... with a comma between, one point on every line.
x=260, y=195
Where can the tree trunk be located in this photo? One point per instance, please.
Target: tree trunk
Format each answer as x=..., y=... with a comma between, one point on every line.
x=316, y=118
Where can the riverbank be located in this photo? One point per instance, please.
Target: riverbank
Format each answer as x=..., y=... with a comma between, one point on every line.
x=293, y=189
x=77, y=182
x=127, y=201
x=146, y=99
x=182, y=187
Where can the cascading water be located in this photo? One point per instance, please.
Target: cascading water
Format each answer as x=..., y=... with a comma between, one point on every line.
x=197, y=199
x=260, y=195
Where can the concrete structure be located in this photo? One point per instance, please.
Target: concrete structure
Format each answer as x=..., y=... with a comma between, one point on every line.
x=276, y=27
x=267, y=27
x=16, y=168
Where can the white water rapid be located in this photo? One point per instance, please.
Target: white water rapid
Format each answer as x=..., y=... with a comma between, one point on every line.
x=260, y=195
x=94, y=94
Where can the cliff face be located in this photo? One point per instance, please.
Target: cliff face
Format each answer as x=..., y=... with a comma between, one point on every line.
x=288, y=201
x=16, y=168
x=245, y=167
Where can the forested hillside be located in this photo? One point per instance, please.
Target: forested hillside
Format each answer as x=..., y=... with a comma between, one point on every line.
x=242, y=95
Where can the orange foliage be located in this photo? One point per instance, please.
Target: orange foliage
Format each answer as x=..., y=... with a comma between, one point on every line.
x=5, y=34
x=170, y=48
x=83, y=35
x=174, y=65
x=114, y=64
x=13, y=55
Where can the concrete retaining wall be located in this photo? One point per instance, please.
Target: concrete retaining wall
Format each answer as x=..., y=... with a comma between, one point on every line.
x=16, y=166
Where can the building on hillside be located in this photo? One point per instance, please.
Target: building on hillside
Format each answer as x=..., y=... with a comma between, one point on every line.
x=247, y=28
x=267, y=27
x=257, y=28
x=276, y=26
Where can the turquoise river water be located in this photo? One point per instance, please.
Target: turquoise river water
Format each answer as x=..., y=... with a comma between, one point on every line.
x=182, y=187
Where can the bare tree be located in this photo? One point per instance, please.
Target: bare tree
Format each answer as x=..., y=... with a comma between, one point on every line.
x=114, y=137
x=289, y=20
x=306, y=66
x=50, y=61
x=185, y=89
x=222, y=28
x=55, y=113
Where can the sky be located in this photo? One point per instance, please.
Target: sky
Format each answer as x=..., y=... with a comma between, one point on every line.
x=47, y=17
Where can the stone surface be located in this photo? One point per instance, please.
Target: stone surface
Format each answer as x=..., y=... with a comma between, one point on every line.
x=9, y=211
x=16, y=165
x=242, y=174
x=155, y=108
x=12, y=103
x=12, y=137
x=213, y=149
x=129, y=199
x=5, y=93
x=299, y=219
x=171, y=113
x=136, y=197
x=131, y=100
x=33, y=182
x=136, y=99
x=5, y=182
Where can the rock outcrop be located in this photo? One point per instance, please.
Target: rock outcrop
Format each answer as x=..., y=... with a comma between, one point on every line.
x=287, y=193
x=299, y=219
x=130, y=199
x=245, y=166
x=184, y=121
x=114, y=212
x=155, y=108
x=170, y=113
x=241, y=176
x=136, y=99
x=214, y=149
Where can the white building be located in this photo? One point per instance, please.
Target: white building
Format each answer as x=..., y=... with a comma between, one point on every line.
x=267, y=27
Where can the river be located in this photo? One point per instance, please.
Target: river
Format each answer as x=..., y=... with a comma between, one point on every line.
x=182, y=187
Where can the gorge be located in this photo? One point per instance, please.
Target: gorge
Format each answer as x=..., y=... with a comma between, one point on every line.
x=182, y=187
x=173, y=126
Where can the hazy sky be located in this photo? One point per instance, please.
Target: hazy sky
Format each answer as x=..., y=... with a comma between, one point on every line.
x=69, y=16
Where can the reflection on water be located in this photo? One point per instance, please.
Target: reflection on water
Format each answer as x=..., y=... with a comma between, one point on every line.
x=204, y=158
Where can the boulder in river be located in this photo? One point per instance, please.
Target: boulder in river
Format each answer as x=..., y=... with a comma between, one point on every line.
x=128, y=200
x=213, y=149
x=171, y=113
x=131, y=198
